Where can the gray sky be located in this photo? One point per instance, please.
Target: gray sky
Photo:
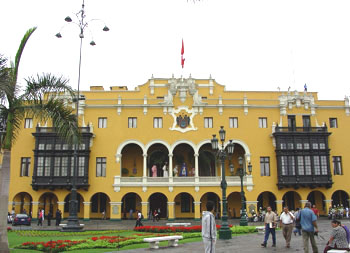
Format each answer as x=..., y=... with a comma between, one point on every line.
x=245, y=45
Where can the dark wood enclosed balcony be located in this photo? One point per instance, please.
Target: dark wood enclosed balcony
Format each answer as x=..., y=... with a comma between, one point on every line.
x=54, y=160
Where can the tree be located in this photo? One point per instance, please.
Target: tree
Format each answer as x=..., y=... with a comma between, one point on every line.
x=40, y=100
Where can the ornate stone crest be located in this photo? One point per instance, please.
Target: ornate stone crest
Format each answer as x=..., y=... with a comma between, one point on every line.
x=183, y=119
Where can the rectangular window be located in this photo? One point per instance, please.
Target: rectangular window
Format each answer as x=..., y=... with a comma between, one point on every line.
x=64, y=168
x=102, y=122
x=284, y=165
x=57, y=167
x=301, y=168
x=265, y=166
x=41, y=146
x=262, y=122
x=185, y=203
x=306, y=122
x=317, y=167
x=47, y=166
x=283, y=145
x=307, y=165
x=291, y=123
x=101, y=166
x=28, y=123
x=208, y=122
x=323, y=165
x=132, y=122
x=81, y=166
x=233, y=122
x=157, y=122
x=291, y=165
x=333, y=123
x=337, y=166
x=40, y=167
x=25, y=165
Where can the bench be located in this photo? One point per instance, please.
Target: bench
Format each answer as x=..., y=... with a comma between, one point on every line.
x=178, y=224
x=65, y=225
x=154, y=241
x=337, y=251
x=261, y=229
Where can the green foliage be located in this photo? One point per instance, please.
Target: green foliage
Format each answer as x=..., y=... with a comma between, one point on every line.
x=243, y=229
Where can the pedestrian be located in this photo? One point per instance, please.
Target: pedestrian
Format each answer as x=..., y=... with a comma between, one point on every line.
x=209, y=228
x=307, y=219
x=338, y=239
x=286, y=223
x=270, y=226
x=158, y=212
x=24, y=211
x=49, y=217
x=13, y=213
x=347, y=212
x=58, y=217
x=315, y=210
x=297, y=223
x=40, y=218
x=103, y=215
x=139, y=219
x=131, y=214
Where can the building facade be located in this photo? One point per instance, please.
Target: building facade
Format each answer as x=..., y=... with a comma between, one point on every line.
x=149, y=148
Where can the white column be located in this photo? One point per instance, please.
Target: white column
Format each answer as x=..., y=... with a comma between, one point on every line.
x=144, y=165
x=196, y=173
x=170, y=165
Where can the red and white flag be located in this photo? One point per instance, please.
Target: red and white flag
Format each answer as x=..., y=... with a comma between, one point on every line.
x=182, y=54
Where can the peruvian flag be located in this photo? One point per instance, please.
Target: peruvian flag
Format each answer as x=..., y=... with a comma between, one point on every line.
x=182, y=54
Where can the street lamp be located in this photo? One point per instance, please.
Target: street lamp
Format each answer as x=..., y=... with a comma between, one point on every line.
x=73, y=220
x=242, y=172
x=224, y=232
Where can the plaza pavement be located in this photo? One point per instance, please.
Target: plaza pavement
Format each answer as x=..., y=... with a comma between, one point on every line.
x=244, y=243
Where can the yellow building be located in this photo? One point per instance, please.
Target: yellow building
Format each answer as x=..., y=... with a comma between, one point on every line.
x=295, y=143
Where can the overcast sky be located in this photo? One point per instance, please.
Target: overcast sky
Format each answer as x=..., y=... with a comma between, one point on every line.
x=245, y=45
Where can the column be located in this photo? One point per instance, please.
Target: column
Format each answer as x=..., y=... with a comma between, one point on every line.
x=119, y=160
x=61, y=207
x=87, y=210
x=171, y=165
x=35, y=209
x=144, y=209
x=279, y=206
x=144, y=165
x=252, y=206
x=197, y=210
x=115, y=212
x=328, y=204
x=171, y=211
x=196, y=165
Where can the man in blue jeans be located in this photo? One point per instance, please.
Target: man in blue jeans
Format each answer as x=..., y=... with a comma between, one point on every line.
x=270, y=226
x=307, y=219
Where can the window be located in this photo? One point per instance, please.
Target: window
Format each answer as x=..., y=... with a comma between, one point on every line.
x=317, y=167
x=43, y=168
x=208, y=122
x=25, y=164
x=57, y=166
x=307, y=165
x=284, y=165
x=333, y=123
x=323, y=164
x=101, y=166
x=64, y=166
x=157, y=122
x=337, y=167
x=301, y=168
x=233, y=122
x=132, y=122
x=265, y=166
x=28, y=123
x=306, y=122
x=262, y=122
x=291, y=123
x=185, y=203
x=81, y=166
x=102, y=122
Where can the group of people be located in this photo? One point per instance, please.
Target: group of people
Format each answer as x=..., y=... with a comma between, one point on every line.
x=49, y=216
x=305, y=223
x=182, y=172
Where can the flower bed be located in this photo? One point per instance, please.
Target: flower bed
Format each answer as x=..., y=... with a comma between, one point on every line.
x=38, y=233
x=167, y=229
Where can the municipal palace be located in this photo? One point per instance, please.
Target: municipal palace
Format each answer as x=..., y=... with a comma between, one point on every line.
x=150, y=148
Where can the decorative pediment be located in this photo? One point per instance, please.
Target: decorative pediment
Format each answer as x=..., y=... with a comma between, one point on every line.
x=297, y=99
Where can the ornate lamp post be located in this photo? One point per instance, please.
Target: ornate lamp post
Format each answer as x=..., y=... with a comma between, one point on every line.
x=242, y=172
x=224, y=232
x=73, y=220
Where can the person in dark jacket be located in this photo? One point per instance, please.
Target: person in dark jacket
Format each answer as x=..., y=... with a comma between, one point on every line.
x=58, y=217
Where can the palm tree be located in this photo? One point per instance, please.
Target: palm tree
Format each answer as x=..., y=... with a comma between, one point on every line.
x=40, y=100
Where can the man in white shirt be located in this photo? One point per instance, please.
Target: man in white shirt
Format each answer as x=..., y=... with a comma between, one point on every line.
x=286, y=223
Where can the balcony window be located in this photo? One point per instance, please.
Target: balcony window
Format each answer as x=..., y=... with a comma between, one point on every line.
x=337, y=166
x=208, y=122
x=333, y=123
x=233, y=122
x=25, y=164
x=262, y=122
x=102, y=122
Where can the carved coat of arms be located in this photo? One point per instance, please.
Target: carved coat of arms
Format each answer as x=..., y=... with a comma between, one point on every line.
x=183, y=121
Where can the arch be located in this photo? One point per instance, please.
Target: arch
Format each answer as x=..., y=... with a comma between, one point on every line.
x=317, y=198
x=190, y=143
x=202, y=143
x=184, y=159
x=235, y=141
x=266, y=199
x=292, y=200
x=157, y=155
x=80, y=211
x=149, y=144
x=22, y=202
x=158, y=201
x=131, y=160
x=234, y=204
x=212, y=196
x=185, y=208
x=130, y=203
x=339, y=198
x=100, y=206
x=123, y=144
x=48, y=202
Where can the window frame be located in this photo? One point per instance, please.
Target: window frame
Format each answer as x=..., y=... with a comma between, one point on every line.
x=265, y=166
x=101, y=166
x=157, y=122
x=331, y=122
x=25, y=161
x=208, y=122
x=132, y=122
x=28, y=123
x=337, y=165
x=233, y=122
x=102, y=122
x=262, y=122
